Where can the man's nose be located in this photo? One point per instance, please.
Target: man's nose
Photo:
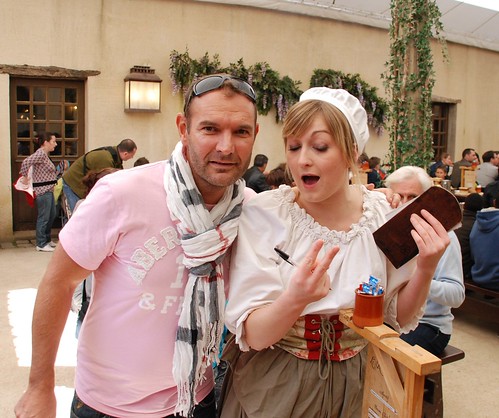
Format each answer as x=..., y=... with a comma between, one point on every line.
x=225, y=143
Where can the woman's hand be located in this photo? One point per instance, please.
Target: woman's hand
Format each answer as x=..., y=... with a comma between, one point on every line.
x=431, y=238
x=311, y=282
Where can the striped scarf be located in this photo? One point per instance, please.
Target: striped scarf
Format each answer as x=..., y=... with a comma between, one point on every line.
x=205, y=238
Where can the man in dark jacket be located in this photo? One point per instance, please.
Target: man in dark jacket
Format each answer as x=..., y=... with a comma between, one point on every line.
x=468, y=156
x=254, y=176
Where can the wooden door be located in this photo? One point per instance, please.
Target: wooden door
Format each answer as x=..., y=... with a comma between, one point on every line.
x=37, y=106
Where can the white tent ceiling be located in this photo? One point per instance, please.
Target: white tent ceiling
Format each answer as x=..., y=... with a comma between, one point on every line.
x=463, y=23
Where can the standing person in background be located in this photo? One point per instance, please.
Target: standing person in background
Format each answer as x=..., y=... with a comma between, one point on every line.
x=157, y=239
x=291, y=356
x=44, y=180
x=487, y=172
x=73, y=187
x=447, y=288
x=255, y=177
x=445, y=161
x=472, y=204
x=468, y=157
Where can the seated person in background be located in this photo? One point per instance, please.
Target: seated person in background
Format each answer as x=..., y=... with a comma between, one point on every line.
x=490, y=190
x=472, y=204
x=255, y=177
x=487, y=172
x=440, y=173
x=447, y=288
x=484, y=239
x=363, y=161
x=278, y=176
x=373, y=177
x=469, y=158
x=141, y=161
x=445, y=161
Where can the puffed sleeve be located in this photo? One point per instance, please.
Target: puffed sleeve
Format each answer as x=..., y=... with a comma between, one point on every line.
x=255, y=280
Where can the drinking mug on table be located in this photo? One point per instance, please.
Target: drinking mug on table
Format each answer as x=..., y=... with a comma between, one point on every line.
x=446, y=185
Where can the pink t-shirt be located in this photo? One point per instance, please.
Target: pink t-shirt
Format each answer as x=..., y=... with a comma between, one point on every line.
x=126, y=343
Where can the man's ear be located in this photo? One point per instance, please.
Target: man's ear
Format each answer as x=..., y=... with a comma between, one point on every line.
x=181, y=123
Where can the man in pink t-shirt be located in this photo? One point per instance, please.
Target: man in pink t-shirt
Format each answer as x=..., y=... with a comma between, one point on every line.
x=155, y=237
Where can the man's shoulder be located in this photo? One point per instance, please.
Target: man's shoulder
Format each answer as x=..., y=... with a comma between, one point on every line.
x=250, y=172
x=255, y=175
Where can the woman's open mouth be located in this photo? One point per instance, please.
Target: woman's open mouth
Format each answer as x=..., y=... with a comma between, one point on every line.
x=310, y=180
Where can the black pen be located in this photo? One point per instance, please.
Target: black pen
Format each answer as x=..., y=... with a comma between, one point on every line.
x=285, y=257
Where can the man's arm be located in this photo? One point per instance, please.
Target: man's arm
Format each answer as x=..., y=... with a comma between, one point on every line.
x=52, y=305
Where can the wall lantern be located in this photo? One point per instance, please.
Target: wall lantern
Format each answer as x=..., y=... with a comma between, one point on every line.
x=142, y=90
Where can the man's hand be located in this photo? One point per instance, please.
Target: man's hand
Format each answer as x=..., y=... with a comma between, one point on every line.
x=36, y=403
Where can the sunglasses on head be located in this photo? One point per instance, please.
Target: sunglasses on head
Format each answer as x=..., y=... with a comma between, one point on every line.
x=214, y=82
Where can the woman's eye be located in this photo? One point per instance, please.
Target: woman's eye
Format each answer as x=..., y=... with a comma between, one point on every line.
x=322, y=148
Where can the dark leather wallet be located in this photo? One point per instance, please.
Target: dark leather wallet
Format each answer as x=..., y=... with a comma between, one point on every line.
x=394, y=237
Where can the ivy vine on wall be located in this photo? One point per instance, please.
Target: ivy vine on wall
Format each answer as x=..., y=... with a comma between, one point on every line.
x=376, y=107
x=274, y=91
x=271, y=90
x=409, y=79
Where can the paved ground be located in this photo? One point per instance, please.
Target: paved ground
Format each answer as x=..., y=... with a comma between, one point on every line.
x=470, y=385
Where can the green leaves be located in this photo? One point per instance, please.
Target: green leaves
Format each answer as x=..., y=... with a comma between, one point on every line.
x=409, y=79
x=272, y=90
x=376, y=107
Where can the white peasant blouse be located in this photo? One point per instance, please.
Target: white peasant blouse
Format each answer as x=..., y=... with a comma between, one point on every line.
x=273, y=219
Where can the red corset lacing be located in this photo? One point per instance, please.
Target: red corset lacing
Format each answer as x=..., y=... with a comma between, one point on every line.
x=322, y=335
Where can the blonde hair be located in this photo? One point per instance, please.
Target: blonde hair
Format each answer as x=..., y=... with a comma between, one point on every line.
x=301, y=116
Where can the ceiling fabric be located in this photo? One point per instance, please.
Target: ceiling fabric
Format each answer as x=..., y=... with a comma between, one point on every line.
x=463, y=23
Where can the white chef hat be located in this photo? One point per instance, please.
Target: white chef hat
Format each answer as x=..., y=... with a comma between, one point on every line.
x=347, y=104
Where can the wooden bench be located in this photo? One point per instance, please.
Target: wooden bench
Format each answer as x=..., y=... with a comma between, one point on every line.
x=480, y=303
x=433, y=405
